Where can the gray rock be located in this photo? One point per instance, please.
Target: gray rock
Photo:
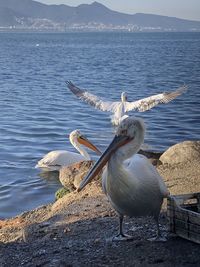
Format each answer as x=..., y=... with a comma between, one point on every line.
x=188, y=151
x=71, y=176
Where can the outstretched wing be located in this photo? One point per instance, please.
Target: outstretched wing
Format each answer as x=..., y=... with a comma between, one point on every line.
x=150, y=102
x=91, y=99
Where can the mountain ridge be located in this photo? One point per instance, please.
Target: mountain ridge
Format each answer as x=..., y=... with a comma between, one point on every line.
x=33, y=15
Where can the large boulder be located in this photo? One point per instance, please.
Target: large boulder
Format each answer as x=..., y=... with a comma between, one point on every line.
x=188, y=151
x=71, y=176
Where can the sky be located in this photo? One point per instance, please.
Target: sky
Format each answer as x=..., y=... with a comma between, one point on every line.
x=186, y=9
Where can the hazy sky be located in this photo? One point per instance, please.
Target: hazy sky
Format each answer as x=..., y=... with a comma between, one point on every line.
x=187, y=9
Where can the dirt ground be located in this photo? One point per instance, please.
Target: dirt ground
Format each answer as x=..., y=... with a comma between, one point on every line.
x=76, y=230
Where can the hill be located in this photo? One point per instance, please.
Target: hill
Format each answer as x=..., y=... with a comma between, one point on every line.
x=32, y=15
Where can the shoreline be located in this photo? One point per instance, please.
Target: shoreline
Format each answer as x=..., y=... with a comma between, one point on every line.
x=76, y=229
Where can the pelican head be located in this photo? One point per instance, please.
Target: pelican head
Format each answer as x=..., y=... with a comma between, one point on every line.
x=77, y=138
x=126, y=142
x=131, y=130
x=123, y=96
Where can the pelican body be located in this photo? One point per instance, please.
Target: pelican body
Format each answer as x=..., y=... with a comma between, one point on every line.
x=120, y=109
x=55, y=160
x=131, y=183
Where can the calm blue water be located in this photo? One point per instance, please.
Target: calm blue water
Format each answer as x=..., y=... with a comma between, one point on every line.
x=38, y=111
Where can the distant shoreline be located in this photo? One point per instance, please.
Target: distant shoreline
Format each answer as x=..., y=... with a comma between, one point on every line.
x=87, y=31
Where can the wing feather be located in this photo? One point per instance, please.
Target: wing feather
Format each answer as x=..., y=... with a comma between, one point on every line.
x=91, y=99
x=150, y=102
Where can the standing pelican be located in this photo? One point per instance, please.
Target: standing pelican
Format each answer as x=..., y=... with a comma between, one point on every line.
x=120, y=109
x=56, y=159
x=130, y=181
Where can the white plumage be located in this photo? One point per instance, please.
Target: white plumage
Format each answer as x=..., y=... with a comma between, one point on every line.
x=56, y=159
x=121, y=108
x=131, y=183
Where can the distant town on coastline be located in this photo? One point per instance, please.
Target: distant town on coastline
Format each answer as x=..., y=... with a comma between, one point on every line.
x=28, y=15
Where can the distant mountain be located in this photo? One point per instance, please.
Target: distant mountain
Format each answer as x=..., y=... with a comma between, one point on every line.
x=32, y=15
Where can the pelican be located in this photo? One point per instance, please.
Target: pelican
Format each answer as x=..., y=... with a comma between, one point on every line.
x=121, y=108
x=55, y=160
x=131, y=183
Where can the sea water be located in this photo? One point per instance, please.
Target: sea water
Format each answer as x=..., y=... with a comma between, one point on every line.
x=37, y=111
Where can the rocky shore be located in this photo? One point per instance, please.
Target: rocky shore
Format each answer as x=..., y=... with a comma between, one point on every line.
x=76, y=229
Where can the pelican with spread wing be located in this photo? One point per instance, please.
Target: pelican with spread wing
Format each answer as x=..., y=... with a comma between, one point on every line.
x=121, y=108
x=56, y=159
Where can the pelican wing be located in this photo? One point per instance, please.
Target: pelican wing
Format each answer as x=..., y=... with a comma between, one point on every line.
x=93, y=100
x=150, y=102
x=55, y=159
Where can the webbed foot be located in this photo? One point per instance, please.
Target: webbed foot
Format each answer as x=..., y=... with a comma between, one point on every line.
x=157, y=239
x=122, y=237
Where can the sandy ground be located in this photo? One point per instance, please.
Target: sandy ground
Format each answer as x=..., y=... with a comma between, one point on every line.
x=77, y=229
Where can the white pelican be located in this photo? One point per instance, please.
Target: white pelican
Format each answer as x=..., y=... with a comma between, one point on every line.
x=130, y=181
x=120, y=109
x=56, y=159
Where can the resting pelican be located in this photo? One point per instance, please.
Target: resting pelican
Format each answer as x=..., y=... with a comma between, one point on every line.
x=130, y=181
x=56, y=159
x=120, y=109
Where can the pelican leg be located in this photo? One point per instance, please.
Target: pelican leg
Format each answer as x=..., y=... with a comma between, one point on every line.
x=158, y=237
x=121, y=236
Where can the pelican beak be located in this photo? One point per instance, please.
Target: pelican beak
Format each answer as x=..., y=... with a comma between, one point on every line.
x=117, y=142
x=84, y=141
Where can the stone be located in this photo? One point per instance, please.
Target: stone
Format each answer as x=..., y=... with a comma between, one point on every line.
x=71, y=176
x=153, y=156
x=150, y=154
x=187, y=151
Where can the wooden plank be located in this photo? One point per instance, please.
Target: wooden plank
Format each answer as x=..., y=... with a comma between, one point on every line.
x=194, y=218
x=185, y=215
x=183, y=212
x=190, y=236
x=190, y=227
